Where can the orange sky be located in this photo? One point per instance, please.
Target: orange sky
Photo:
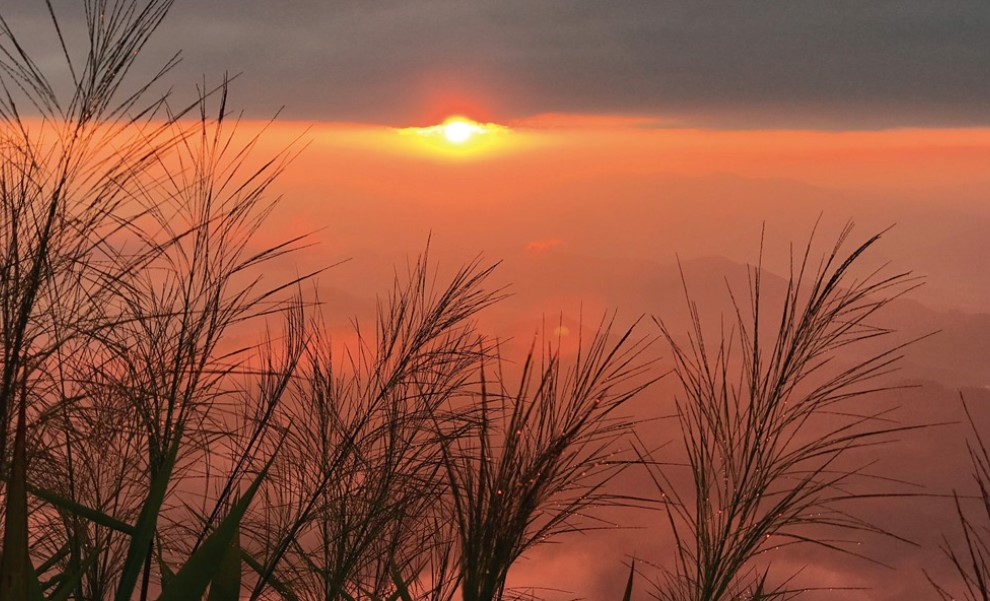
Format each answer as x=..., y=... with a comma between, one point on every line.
x=889, y=159
x=590, y=213
x=624, y=187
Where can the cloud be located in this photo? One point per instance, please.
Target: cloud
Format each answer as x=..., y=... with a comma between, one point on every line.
x=794, y=63
x=541, y=246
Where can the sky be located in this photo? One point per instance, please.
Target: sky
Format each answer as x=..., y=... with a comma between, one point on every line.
x=631, y=136
x=796, y=64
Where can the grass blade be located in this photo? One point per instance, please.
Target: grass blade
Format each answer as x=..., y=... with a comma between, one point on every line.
x=401, y=588
x=16, y=573
x=144, y=530
x=97, y=517
x=277, y=585
x=68, y=586
x=201, y=568
x=227, y=582
x=629, y=583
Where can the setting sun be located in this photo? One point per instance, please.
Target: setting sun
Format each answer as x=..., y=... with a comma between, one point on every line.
x=457, y=136
x=457, y=131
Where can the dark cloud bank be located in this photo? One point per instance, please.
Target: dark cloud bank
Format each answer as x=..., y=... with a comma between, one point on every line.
x=802, y=63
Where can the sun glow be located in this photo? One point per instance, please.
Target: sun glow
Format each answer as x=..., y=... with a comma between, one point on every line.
x=458, y=131
x=458, y=136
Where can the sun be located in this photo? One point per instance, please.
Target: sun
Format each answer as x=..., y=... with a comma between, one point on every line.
x=458, y=131
x=458, y=137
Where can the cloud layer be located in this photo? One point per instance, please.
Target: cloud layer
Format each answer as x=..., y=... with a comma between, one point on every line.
x=800, y=63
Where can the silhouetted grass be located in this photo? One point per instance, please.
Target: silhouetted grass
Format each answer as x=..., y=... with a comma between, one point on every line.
x=539, y=453
x=771, y=426
x=125, y=234
x=147, y=449
x=358, y=482
x=970, y=559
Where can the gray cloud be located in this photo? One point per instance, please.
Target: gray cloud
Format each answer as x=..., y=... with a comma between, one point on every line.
x=808, y=63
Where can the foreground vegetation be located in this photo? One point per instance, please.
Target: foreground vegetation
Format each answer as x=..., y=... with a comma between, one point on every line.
x=152, y=444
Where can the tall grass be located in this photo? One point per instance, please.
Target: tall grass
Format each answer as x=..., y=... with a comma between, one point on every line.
x=126, y=253
x=539, y=453
x=970, y=558
x=774, y=424
x=358, y=479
